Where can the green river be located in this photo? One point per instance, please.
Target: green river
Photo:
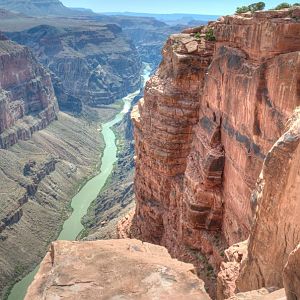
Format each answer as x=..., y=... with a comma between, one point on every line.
x=83, y=199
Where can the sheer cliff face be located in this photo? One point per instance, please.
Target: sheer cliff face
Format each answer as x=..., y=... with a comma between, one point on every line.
x=270, y=257
x=277, y=221
x=209, y=117
x=27, y=100
x=95, y=63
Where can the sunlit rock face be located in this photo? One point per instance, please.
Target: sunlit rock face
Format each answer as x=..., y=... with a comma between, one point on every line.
x=27, y=100
x=208, y=118
x=113, y=269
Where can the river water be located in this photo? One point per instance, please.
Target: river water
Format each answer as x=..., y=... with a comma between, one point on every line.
x=88, y=193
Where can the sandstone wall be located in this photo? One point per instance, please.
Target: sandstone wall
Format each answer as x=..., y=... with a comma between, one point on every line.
x=208, y=119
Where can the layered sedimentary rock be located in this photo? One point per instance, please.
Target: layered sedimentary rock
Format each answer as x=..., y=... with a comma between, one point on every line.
x=114, y=269
x=27, y=100
x=208, y=119
x=94, y=63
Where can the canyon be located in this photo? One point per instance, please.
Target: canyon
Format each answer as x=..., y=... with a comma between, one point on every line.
x=215, y=157
x=94, y=63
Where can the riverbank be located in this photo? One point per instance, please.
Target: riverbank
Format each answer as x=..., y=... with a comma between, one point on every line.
x=116, y=198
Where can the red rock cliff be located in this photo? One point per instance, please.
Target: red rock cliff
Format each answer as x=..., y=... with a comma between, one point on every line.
x=27, y=100
x=208, y=118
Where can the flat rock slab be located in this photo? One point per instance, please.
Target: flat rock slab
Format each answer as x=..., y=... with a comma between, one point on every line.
x=113, y=269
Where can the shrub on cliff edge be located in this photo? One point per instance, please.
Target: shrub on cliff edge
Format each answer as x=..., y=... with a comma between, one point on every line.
x=242, y=9
x=252, y=7
x=209, y=35
x=282, y=6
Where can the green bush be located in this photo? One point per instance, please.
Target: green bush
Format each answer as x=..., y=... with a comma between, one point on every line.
x=282, y=6
x=242, y=9
x=257, y=6
x=252, y=7
x=209, y=35
x=197, y=36
x=296, y=4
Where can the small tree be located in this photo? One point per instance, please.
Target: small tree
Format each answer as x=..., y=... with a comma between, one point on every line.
x=296, y=4
x=256, y=6
x=282, y=6
x=252, y=7
x=242, y=9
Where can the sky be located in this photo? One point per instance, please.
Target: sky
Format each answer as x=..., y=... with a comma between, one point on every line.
x=206, y=7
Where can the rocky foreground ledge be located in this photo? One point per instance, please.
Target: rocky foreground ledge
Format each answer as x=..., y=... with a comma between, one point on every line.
x=114, y=269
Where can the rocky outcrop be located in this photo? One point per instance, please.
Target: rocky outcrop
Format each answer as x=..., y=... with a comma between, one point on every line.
x=211, y=113
x=27, y=100
x=113, y=269
x=92, y=62
x=34, y=173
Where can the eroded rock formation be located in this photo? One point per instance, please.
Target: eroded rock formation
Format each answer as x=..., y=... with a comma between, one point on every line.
x=27, y=100
x=114, y=269
x=207, y=121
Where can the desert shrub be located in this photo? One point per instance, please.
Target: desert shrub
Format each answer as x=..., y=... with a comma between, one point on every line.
x=197, y=35
x=252, y=7
x=256, y=6
x=282, y=6
x=242, y=9
x=209, y=35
